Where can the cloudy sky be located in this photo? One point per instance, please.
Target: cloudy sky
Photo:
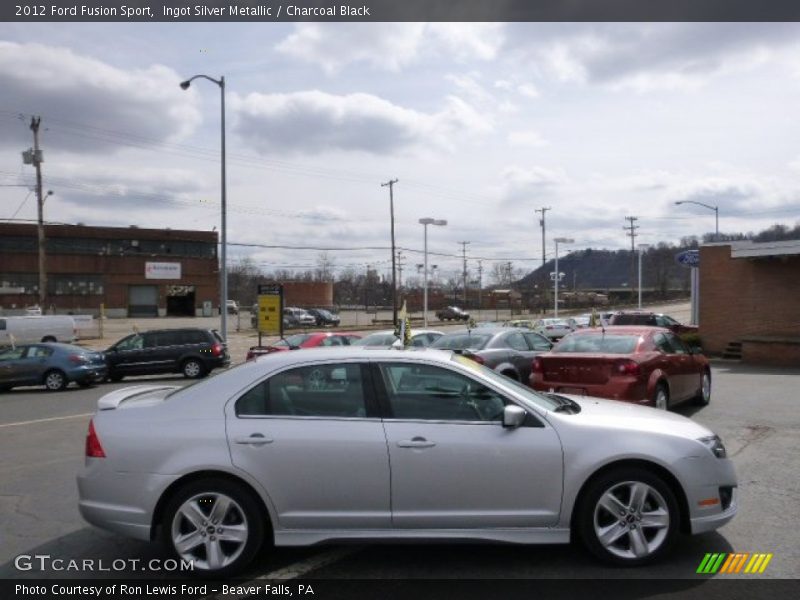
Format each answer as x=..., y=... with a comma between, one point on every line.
x=481, y=124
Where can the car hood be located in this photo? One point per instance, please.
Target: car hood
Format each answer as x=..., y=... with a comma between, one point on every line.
x=624, y=415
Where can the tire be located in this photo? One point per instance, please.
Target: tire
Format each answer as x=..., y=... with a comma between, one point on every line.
x=661, y=397
x=628, y=517
x=55, y=380
x=192, y=368
x=86, y=384
x=510, y=375
x=5, y=388
x=48, y=338
x=191, y=529
x=115, y=377
x=703, y=396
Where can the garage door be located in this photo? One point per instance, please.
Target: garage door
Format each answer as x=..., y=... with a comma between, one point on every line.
x=143, y=301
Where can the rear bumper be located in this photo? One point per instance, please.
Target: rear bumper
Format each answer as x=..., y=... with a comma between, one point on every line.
x=88, y=373
x=632, y=391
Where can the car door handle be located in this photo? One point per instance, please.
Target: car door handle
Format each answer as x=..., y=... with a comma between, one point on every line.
x=417, y=442
x=255, y=439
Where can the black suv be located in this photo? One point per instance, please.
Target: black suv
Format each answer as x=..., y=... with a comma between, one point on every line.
x=324, y=317
x=193, y=352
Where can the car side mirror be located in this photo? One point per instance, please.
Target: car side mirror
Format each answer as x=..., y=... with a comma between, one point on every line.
x=513, y=416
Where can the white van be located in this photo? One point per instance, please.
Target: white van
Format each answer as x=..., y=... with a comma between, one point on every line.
x=32, y=330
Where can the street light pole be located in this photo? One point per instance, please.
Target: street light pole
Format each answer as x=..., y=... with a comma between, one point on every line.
x=425, y=222
x=223, y=302
x=390, y=184
x=559, y=240
x=642, y=248
x=709, y=207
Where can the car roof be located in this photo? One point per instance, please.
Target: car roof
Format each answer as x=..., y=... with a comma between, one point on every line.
x=280, y=359
x=621, y=329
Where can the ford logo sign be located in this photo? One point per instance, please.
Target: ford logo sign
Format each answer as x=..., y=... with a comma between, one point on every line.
x=688, y=258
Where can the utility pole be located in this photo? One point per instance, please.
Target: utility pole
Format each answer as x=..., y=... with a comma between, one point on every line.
x=400, y=260
x=542, y=210
x=632, y=234
x=464, y=273
x=37, y=163
x=390, y=184
x=480, y=284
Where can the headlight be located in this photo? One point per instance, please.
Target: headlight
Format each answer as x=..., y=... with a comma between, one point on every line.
x=715, y=445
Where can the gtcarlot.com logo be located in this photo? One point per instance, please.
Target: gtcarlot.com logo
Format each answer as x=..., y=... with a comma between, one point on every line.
x=736, y=562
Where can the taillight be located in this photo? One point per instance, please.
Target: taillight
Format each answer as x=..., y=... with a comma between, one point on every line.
x=250, y=355
x=537, y=366
x=93, y=447
x=216, y=350
x=77, y=359
x=628, y=367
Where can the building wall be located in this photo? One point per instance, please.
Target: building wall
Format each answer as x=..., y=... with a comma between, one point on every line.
x=747, y=296
x=308, y=294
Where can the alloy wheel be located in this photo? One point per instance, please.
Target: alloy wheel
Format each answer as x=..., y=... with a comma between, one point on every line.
x=55, y=381
x=192, y=369
x=662, y=399
x=211, y=530
x=631, y=520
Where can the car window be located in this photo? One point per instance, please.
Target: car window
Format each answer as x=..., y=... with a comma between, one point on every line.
x=331, y=340
x=677, y=344
x=331, y=390
x=463, y=341
x=537, y=342
x=134, y=342
x=432, y=393
x=661, y=342
x=595, y=343
x=2, y=324
x=155, y=340
x=517, y=342
x=12, y=354
x=39, y=352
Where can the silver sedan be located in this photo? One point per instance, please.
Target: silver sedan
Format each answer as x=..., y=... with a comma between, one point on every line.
x=371, y=444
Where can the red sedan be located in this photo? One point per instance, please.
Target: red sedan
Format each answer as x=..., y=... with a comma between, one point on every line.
x=304, y=340
x=644, y=365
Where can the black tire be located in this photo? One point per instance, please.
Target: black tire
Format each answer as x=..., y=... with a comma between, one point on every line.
x=115, y=377
x=661, y=396
x=637, y=543
x=703, y=396
x=244, y=512
x=510, y=375
x=86, y=384
x=193, y=368
x=55, y=380
x=5, y=388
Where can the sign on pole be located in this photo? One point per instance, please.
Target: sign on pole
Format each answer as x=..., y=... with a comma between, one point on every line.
x=688, y=258
x=270, y=310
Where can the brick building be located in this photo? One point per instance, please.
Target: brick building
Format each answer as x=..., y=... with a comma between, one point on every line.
x=750, y=300
x=131, y=271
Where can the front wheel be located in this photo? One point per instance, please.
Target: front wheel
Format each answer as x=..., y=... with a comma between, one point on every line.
x=628, y=517
x=661, y=397
x=703, y=396
x=215, y=524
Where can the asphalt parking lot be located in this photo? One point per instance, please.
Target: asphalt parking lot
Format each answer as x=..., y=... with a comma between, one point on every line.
x=754, y=410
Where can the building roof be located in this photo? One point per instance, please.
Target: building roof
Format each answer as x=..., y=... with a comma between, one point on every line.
x=750, y=249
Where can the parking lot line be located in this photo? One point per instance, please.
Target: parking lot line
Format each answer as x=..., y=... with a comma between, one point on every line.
x=18, y=423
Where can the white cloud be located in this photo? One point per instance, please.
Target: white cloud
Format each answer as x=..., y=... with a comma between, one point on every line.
x=315, y=122
x=528, y=137
x=389, y=46
x=68, y=88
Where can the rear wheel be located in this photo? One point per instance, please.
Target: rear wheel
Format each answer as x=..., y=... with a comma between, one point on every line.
x=216, y=524
x=193, y=368
x=661, y=397
x=55, y=380
x=628, y=517
x=115, y=377
x=85, y=384
x=703, y=396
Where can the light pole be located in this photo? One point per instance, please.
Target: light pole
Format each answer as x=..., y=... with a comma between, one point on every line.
x=425, y=222
x=642, y=248
x=223, y=292
x=559, y=240
x=709, y=207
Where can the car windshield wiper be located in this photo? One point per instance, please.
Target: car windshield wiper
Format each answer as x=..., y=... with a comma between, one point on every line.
x=565, y=405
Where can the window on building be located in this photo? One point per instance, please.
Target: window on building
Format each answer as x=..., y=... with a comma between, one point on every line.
x=75, y=285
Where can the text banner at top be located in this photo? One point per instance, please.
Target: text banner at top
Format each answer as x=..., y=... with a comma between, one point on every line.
x=401, y=10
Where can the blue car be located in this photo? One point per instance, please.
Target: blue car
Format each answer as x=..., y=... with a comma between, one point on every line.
x=51, y=365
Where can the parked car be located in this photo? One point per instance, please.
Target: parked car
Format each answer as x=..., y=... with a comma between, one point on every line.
x=644, y=365
x=232, y=307
x=449, y=451
x=305, y=340
x=297, y=317
x=583, y=321
x=33, y=311
x=32, y=329
x=651, y=319
x=450, y=313
x=51, y=365
x=552, y=329
x=324, y=317
x=420, y=338
x=193, y=352
x=507, y=350
x=523, y=323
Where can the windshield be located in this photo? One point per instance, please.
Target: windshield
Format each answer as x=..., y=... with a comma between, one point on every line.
x=463, y=341
x=375, y=339
x=293, y=340
x=523, y=390
x=597, y=343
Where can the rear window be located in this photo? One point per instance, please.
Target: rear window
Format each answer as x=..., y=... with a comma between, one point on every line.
x=600, y=344
x=463, y=341
x=628, y=319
